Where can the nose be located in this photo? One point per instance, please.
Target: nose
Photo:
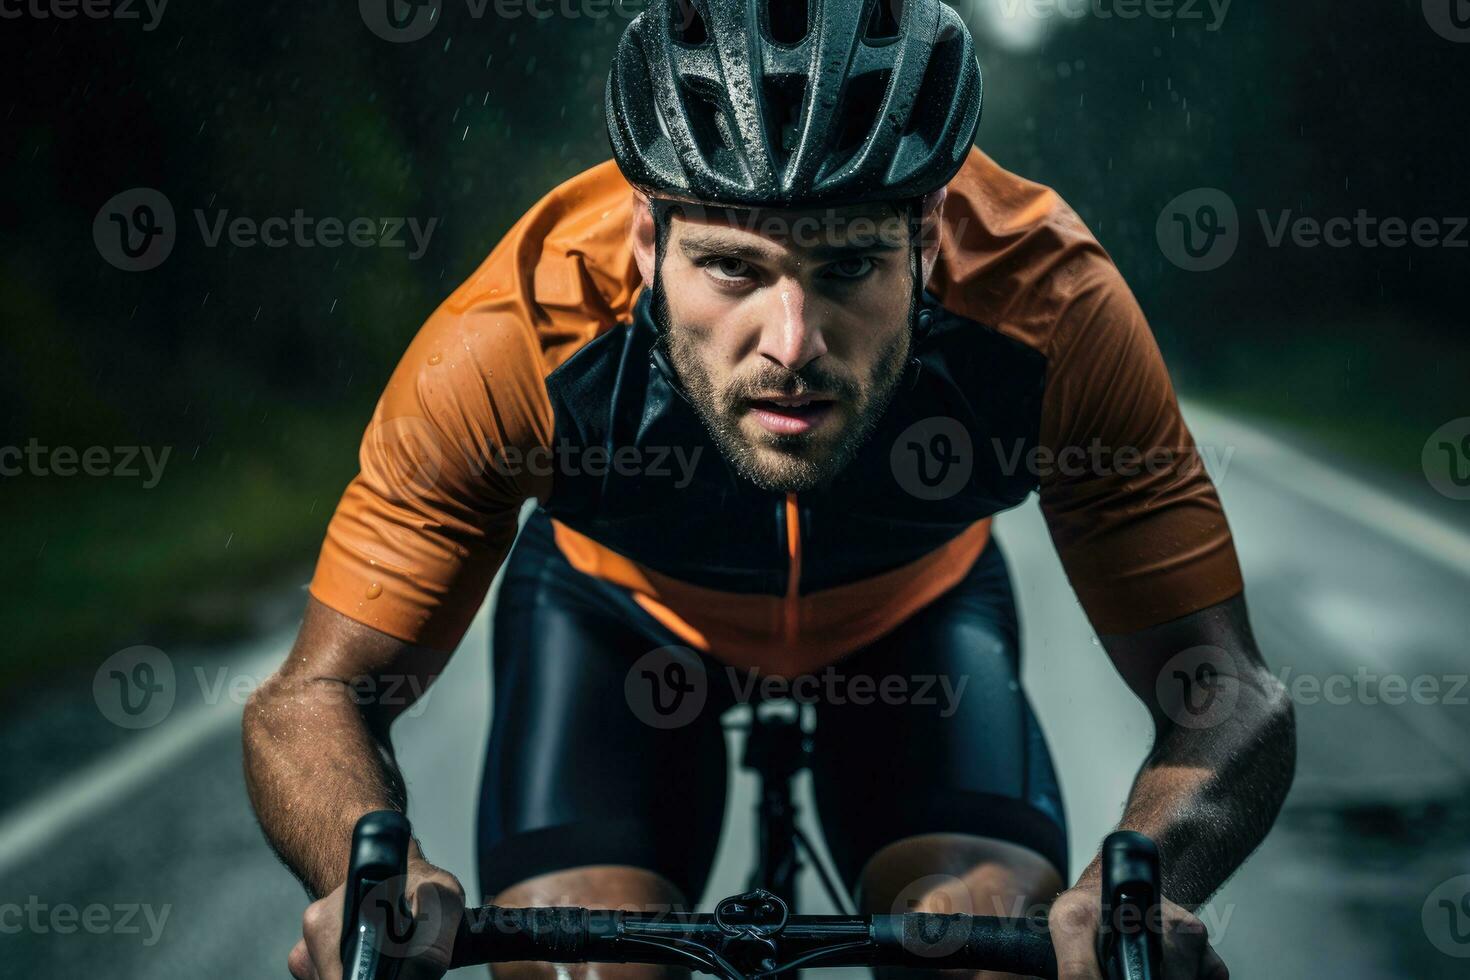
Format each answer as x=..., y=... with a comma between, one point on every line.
x=792, y=335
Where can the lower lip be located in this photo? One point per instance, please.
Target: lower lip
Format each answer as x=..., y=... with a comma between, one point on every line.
x=791, y=422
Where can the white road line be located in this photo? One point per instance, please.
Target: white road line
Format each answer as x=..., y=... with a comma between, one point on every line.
x=1288, y=467
x=26, y=830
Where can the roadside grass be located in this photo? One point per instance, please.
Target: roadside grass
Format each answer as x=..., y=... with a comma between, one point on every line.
x=97, y=564
x=1371, y=392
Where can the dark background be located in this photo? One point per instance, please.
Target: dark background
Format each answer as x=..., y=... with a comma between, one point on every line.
x=259, y=366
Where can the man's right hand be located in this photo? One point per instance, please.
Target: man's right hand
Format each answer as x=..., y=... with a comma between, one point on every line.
x=437, y=900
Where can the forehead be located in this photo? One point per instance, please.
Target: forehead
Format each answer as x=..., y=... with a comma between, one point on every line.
x=872, y=226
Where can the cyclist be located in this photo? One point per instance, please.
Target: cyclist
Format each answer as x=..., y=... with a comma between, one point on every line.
x=768, y=375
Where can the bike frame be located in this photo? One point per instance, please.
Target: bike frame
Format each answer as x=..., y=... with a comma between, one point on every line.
x=777, y=750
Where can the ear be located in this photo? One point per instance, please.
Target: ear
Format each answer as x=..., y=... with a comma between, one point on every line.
x=932, y=229
x=642, y=236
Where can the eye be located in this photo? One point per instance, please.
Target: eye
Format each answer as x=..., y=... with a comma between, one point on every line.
x=852, y=269
x=729, y=269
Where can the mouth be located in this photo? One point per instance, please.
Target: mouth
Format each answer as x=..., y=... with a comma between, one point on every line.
x=791, y=416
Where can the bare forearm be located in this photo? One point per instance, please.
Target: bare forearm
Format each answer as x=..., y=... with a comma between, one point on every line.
x=313, y=766
x=1209, y=797
x=317, y=755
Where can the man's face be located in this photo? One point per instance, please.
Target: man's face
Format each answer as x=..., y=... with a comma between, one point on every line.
x=789, y=331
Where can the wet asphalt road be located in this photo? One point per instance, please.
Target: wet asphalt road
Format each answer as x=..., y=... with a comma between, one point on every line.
x=169, y=877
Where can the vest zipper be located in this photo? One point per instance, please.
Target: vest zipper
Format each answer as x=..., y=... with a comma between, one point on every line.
x=789, y=516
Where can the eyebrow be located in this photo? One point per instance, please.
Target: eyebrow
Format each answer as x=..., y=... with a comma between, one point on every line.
x=702, y=243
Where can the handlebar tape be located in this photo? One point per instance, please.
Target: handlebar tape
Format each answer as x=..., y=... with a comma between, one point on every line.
x=500, y=935
x=918, y=939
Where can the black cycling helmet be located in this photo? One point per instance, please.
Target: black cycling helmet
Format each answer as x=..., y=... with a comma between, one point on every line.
x=793, y=103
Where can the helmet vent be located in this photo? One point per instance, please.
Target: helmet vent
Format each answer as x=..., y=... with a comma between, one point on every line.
x=883, y=25
x=787, y=21
x=687, y=24
x=714, y=136
x=784, y=95
x=932, y=104
x=863, y=93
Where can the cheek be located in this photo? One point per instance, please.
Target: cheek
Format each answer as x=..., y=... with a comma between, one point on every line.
x=869, y=325
x=709, y=327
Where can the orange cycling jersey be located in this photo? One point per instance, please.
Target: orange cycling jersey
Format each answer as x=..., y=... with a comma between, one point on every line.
x=1036, y=371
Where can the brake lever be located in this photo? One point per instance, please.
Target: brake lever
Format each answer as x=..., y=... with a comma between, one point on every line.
x=373, y=901
x=1129, y=945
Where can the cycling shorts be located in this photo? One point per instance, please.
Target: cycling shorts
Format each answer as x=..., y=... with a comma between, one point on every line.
x=925, y=731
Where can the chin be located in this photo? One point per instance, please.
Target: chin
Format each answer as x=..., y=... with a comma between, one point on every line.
x=790, y=466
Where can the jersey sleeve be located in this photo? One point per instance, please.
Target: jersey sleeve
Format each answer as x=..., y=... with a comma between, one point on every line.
x=1133, y=513
x=461, y=436
x=433, y=511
